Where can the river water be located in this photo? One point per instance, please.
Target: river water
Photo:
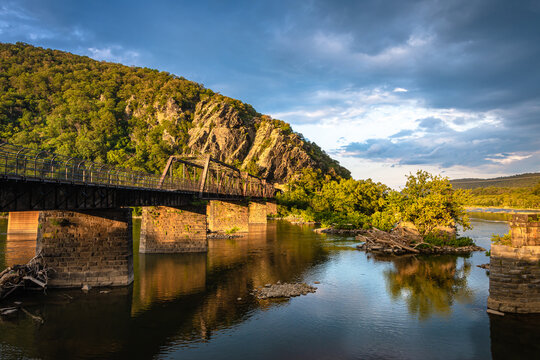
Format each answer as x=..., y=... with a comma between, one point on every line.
x=197, y=306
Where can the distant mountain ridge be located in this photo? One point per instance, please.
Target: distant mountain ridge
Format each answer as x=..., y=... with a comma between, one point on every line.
x=138, y=117
x=520, y=180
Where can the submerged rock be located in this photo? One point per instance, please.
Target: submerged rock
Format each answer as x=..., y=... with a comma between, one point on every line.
x=284, y=290
x=332, y=230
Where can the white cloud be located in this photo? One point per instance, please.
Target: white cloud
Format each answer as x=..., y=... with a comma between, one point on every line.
x=114, y=53
x=398, y=89
x=506, y=159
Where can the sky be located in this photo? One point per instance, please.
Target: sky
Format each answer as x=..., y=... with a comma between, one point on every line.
x=385, y=87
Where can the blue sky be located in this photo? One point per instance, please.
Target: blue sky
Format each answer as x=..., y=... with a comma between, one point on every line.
x=386, y=87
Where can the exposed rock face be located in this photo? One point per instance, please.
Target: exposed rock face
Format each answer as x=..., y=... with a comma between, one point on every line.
x=257, y=144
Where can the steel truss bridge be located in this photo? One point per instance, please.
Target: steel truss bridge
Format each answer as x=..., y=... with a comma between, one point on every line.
x=33, y=179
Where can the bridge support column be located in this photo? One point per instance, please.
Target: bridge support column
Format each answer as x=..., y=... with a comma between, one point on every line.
x=514, y=281
x=224, y=216
x=173, y=230
x=271, y=208
x=91, y=247
x=21, y=237
x=257, y=212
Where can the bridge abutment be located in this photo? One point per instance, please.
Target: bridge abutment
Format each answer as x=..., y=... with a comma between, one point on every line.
x=173, y=230
x=226, y=216
x=514, y=281
x=91, y=247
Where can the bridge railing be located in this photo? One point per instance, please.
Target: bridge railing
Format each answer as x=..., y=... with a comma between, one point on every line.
x=26, y=163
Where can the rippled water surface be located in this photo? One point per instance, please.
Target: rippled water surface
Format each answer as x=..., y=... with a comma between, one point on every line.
x=197, y=306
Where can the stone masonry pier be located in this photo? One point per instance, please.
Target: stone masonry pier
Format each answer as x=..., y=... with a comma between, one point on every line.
x=271, y=208
x=226, y=216
x=514, y=282
x=91, y=247
x=173, y=230
x=257, y=212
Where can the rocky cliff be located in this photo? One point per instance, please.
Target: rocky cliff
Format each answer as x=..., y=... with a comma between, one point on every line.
x=138, y=117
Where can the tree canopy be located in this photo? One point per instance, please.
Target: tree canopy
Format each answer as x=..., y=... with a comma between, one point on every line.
x=428, y=201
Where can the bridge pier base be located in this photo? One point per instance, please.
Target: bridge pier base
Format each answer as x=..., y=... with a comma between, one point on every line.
x=173, y=230
x=271, y=208
x=21, y=237
x=91, y=247
x=257, y=212
x=514, y=281
x=224, y=216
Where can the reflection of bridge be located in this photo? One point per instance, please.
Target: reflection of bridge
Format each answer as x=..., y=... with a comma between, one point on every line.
x=84, y=229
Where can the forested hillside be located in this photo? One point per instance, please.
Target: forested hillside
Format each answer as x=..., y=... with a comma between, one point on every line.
x=138, y=117
x=517, y=191
x=521, y=180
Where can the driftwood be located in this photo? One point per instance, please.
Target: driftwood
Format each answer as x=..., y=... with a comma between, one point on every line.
x=376, y=240
x=398, y=243
x=29, y=276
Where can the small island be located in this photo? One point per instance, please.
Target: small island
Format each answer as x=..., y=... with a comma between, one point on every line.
x=421, y=218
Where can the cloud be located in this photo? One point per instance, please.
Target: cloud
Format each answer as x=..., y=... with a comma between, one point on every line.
x=398, y=89
x=113, y=53
x=434, y=142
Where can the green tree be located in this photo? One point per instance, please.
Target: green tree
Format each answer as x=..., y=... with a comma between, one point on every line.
x=429, y=201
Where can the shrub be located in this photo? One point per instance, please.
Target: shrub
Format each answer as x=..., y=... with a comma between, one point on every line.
x=501, y=240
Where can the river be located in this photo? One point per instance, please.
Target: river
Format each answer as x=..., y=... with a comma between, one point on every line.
x=197, y=306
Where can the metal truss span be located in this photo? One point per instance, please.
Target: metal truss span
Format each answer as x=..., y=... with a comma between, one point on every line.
x=33, y=179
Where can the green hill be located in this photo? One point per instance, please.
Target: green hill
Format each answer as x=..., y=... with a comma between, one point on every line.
x=517, y=191
x=138, y=117
x=521, y=180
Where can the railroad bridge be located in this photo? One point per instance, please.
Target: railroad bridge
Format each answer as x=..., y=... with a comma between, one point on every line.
x=81, y=215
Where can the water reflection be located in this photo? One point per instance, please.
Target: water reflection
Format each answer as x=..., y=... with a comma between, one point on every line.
x=515, y=337
x=176, y=300
x=198, y=306
x=429, y=285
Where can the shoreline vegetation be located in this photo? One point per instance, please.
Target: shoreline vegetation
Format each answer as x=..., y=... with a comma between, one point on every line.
x=422, y=218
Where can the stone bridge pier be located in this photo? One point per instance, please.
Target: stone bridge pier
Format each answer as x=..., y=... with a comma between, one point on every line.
x=174, y=229
x=514, y=281
x=237, y=216
x=91, y=247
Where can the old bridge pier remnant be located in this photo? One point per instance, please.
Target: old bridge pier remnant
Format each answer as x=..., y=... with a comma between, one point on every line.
x=514, y=281
x=84, y=219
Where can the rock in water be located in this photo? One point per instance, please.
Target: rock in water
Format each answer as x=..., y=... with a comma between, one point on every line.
x=284, y=290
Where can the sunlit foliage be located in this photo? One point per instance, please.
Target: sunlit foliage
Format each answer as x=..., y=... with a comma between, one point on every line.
x=427, y=201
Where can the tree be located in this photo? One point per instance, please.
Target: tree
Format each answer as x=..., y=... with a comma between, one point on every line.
x=429, y=201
